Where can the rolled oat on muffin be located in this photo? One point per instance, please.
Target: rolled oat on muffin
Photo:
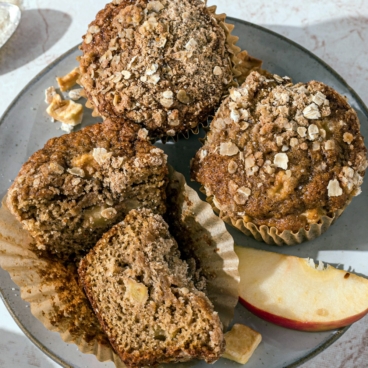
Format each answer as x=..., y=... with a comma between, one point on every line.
x=71, y=191
x=282, y=161
x=162, y=64
x=144, y=296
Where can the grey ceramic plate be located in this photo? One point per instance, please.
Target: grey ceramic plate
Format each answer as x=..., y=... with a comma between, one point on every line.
x=25, y=128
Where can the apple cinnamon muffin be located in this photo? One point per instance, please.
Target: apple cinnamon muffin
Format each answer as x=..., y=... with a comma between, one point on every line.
x=80, y=184
x=281, y=161
x=162, y=64
x=144, y=298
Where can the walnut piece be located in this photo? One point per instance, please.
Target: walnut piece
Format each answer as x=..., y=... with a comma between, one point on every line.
x=50, y=93
x=65, y=111
x=68, y=81
x=75, y=94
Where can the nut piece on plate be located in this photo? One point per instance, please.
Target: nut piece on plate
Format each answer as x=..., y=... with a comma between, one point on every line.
x=69, y=113
x=145, y=298
x=298, y=151
x=162, y=64
x=50, y=93
x=241, y=342
x=68, y=81
x=75, y=94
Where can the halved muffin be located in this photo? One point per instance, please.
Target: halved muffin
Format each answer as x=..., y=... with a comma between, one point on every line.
x=282, y=161
x=71, y=191
x=162, y=64
x=144, y=298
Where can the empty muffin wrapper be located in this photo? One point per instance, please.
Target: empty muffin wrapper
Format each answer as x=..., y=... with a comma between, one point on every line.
x=58, y=301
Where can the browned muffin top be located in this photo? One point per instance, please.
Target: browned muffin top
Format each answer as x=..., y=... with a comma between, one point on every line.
x=68, y=193
x=282, y=155
x=144, y=298
x=164, y=64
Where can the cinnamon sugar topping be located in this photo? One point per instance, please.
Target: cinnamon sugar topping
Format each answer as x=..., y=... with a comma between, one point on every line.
x=134, y=51
x=297, y=150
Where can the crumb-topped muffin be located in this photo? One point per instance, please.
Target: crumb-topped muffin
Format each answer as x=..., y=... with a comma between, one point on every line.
x=163, y=64
x=281, y=155
x=144, y=298
x=68, y=193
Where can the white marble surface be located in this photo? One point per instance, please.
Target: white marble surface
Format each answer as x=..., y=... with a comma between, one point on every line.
x=335, y=30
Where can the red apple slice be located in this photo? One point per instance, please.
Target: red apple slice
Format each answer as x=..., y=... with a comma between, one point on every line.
x=293, y=293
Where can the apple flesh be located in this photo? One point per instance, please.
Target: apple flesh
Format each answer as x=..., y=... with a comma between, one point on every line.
x=293, y=293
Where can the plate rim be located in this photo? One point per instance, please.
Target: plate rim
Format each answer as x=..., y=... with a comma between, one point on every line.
x=39, y=75
x=361, y=103
x=32, y=338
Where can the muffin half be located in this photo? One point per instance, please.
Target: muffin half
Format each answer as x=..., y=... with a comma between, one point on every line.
x=80, y=184
x=162, y=64
x=282, y=161
x=144, y=298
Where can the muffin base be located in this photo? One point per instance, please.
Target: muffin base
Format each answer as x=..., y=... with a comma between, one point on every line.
x=271, y=235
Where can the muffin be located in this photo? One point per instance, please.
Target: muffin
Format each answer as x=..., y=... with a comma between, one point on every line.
x=71, y=191
x=144, y=298
x=282, y=161
x=162, y=64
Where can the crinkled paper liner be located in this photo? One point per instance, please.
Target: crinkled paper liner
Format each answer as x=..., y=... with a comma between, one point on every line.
x=271, y=235
x=242, y=62
x=58, y=301
x=242, y=65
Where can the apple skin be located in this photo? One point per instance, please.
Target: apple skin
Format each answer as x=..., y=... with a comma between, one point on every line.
x=291, y=292
x=301, y=325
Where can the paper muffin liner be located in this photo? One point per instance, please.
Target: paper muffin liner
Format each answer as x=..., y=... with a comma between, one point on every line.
x=272, y=235
x=58, y=301
x=242, y=62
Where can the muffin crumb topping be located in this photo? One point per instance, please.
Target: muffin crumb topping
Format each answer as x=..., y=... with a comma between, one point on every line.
x=289, y=145
x=151, y=61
